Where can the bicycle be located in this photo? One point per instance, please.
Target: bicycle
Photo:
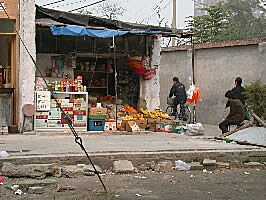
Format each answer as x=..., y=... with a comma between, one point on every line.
x=184, y=114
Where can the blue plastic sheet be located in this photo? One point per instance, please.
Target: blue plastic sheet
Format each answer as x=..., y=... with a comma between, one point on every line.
x=72, y=30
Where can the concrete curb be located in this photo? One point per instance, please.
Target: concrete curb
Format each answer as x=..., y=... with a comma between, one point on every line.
x=105, y=160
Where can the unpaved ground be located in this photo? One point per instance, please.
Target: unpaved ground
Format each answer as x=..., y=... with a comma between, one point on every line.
x=241, y=184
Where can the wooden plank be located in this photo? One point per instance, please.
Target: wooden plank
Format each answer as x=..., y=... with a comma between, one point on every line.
x=14, y=79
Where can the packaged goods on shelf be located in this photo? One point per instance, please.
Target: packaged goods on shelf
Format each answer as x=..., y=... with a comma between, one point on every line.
x=41, y=113
x=80, y=118
x=80, y=109
x=67, y=109
x=54, y=113
x=80, y=113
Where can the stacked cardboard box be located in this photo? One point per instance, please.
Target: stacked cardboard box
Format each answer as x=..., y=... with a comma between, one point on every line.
x=97, y=116
x=126, y=125
x=80, y=113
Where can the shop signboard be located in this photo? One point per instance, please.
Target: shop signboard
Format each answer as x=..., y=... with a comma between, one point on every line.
x=43, y=100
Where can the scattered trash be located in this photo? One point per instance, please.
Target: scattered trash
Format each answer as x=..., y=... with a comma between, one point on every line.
x=150, y=191
x=233, y=142
x=210, y=172
x=81, y=165
x=195, y=129
x=138, y=195
x=18, y=192
x=141, y=177
x=247, y=173
x=205, y=171
x=117, y=195
x=14, y=187
x=1, y=179
x=192, y=176
x=226, y=140
x=4, y=154
x=181, y=166
x=258, y=169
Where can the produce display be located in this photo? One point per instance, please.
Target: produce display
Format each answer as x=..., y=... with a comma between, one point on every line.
x=130, y=109
x=145, y=114
x=156, y=114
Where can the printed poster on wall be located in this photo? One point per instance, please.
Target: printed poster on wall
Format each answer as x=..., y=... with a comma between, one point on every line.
x=43, y=100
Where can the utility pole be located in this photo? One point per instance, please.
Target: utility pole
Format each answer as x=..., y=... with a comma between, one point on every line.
x=174, y=21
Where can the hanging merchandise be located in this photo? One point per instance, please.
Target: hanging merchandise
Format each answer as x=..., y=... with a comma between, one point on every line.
x=193, y=94
x=139, y=64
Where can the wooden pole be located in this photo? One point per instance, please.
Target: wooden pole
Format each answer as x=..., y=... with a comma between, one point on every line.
x=174, y=21
x=193, y=77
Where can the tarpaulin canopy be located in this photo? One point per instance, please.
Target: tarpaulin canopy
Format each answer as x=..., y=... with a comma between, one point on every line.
x=73, y=30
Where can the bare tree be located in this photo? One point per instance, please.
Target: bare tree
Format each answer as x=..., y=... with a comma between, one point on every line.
x=110, y=10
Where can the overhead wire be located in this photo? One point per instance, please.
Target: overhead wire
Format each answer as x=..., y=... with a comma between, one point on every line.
x=154, y=10
x=48, y=4
x=87, y=6
x=71, y=3
x=78, y=139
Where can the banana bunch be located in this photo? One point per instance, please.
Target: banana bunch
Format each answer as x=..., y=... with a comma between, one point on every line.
x=133, y=117
x=156, y=114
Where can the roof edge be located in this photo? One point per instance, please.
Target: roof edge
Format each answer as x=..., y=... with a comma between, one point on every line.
x=227, y=43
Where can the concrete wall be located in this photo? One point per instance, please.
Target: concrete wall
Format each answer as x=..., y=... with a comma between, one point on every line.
x=150, y=89
x=26, y=70
x=215, y=72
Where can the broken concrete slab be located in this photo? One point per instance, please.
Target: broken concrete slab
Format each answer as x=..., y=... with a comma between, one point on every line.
x=166, y=166
x=35, y=190
x=123, y=166
x=32, y=170
x=195, y=166
x=235, y=164
x=222, y=165
x=253, y=165
x=252, y=135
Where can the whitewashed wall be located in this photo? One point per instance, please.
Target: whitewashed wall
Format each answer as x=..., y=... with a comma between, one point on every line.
x=26, y=67
x=150, y=89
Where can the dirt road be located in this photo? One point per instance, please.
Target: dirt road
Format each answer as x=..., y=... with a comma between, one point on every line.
x=238, y=184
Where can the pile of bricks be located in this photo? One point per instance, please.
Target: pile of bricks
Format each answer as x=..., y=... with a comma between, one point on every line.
x=3, y=130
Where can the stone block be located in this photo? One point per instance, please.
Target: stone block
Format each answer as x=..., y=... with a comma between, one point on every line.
x=89, y=171
x=195, y=166
x=123, y=166
x=166, y=166
x=253, y=165
x=222, y=165
x=32, y=170
x=35, y=190
x=209, y=162
x=72, y=171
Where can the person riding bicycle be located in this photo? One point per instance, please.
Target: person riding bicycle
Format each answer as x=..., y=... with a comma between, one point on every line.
x=179, y=93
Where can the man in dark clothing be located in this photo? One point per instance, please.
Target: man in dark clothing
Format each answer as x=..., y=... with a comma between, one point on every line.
x=238, y=90
x=237, y=112
x=178, y=90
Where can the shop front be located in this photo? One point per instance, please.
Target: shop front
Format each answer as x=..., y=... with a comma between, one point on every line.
x=100, y=74
x=8, y=64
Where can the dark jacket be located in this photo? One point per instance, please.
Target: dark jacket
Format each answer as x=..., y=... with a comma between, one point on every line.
x=238, y=90
x=178, y=90
x=237, y=112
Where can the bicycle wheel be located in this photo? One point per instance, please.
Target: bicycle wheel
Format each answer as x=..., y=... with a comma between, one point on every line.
x=186, y=115
x=169, y=110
